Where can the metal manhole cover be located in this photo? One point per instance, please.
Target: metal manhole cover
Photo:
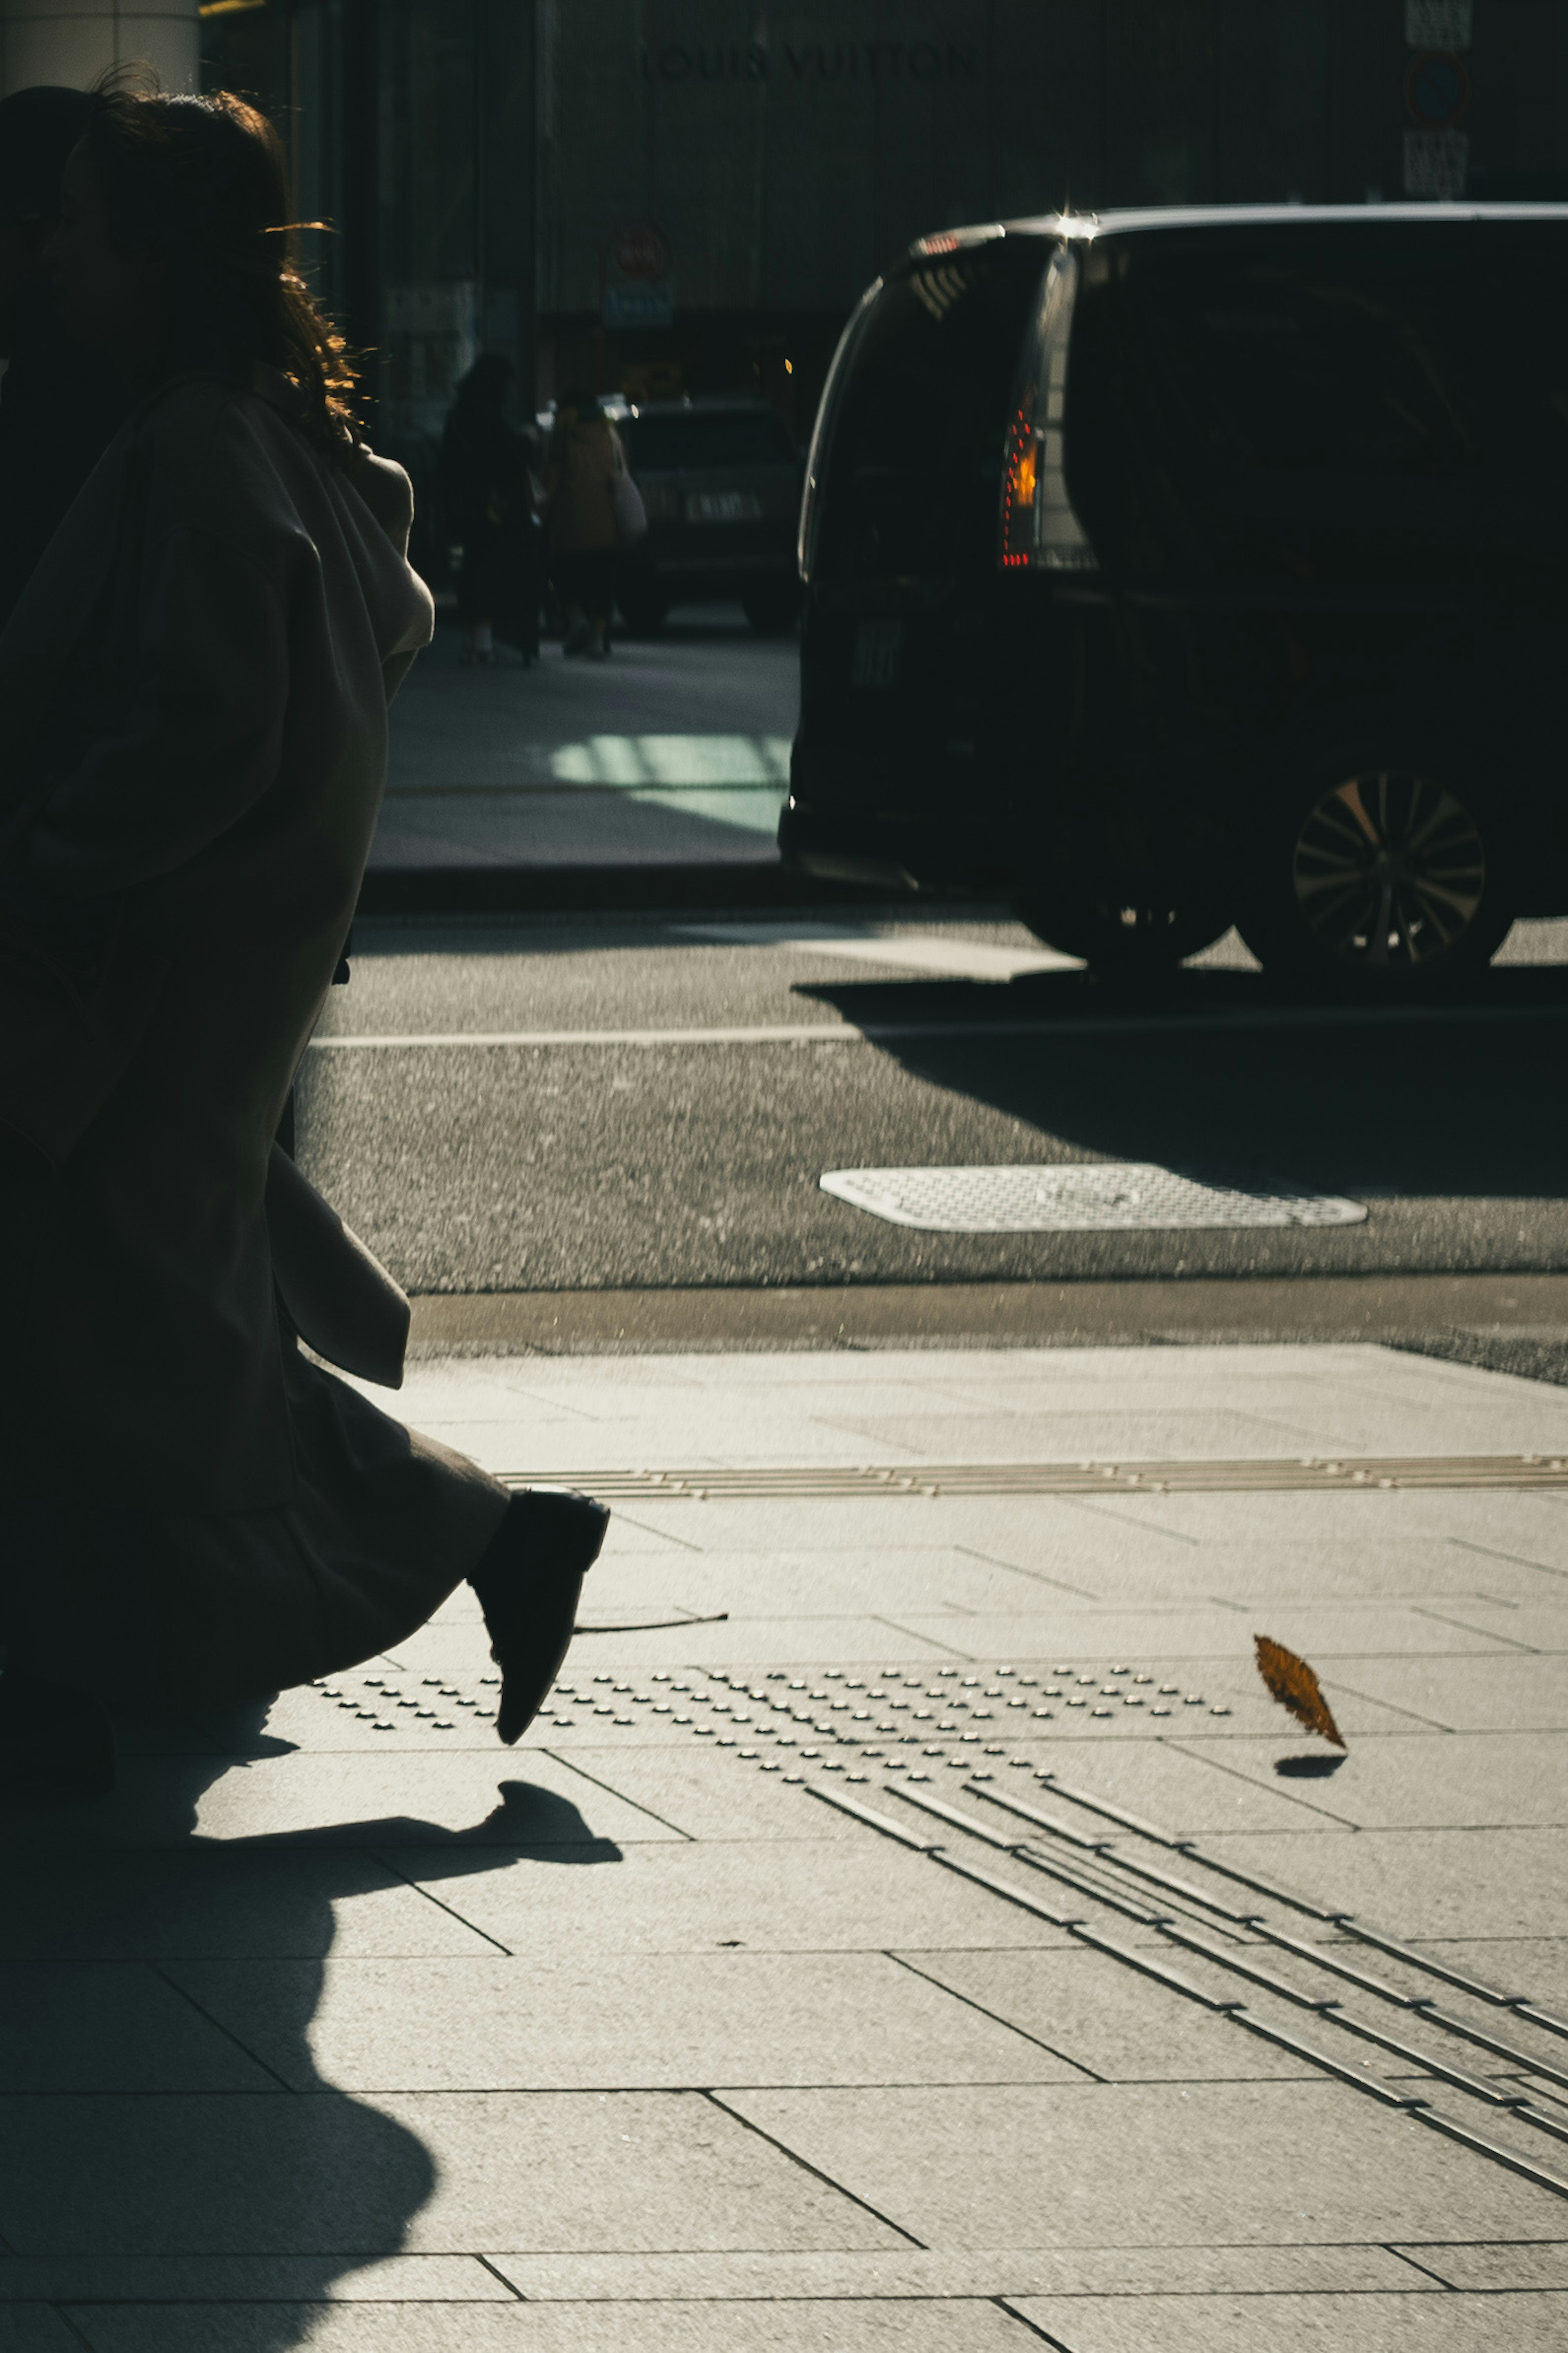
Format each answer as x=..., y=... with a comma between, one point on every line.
x=1081, y=1196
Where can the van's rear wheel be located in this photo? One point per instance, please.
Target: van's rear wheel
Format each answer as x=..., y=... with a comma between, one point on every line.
x=1382, y=883
x=1130, y=941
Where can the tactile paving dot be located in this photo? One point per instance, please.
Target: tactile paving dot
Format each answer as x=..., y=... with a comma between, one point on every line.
x=752, y=1713
x=1089, y=1196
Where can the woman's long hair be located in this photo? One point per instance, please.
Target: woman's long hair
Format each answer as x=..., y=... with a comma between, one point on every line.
x=200, y=183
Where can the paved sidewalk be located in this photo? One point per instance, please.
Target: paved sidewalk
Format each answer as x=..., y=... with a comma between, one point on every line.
x=673, y=753
x=340, y=2027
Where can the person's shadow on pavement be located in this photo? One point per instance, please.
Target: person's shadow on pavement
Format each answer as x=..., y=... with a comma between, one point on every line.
x=109, y=1912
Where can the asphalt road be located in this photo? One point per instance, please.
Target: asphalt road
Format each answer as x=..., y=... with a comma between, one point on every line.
x=594, y=1156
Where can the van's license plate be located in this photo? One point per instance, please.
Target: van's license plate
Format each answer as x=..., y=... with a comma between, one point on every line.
x=723, y=506
x=878, y=649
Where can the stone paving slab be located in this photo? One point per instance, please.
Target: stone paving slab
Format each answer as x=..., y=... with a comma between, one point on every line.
x=338, y=2026
x=113, y=2026
x=339, y=2179
x=1496, y=1694
x=1429, y=1886
x=1407, y=1782
x=1076, y=2002
x=1273, y=2163
x=946, y=2326
x=33, y=2329
x=780, y=1895
x=648, y=2022
x=171, y=2280
x=235, y=1902
x=1350, y=2324
x=1506, y=2265
x=357, y=1800
x=1010, y=2272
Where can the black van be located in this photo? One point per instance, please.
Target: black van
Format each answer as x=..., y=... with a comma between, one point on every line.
x=1166, y=570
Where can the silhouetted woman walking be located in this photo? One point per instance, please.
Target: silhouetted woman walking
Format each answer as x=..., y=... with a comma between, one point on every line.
x=192, y=719
x=488, y=486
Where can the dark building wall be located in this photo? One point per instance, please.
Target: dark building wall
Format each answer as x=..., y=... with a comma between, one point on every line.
x=786, y=151
x=482, y=155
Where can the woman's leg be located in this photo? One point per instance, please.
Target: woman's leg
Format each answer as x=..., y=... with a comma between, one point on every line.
x=476, y=599
x=571, y=587
x=599, y=596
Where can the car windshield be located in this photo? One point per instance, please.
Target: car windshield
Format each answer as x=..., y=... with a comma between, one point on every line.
x=911, y=472
x=1362, y=402
x=711, y=443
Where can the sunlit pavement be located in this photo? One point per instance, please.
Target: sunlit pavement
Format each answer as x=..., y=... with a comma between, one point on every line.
x=728, y=2011
x=673, y=752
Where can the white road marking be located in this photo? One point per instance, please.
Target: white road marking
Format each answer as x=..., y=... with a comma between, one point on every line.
x=905, y=951
x=775, y=1033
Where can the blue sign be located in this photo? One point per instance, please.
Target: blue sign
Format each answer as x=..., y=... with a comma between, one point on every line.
x=639, y=302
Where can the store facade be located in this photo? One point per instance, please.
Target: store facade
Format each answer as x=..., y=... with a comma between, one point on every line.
x=664, y=195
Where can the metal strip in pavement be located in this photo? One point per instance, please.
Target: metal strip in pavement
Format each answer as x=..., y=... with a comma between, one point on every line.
x=764, y=1481
x=876, y=1034
x=1413, y=2104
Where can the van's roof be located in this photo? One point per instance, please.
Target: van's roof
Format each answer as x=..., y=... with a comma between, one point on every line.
x=1135, y=219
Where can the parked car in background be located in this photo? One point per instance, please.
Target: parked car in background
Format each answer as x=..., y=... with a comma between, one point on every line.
x=720, y=480
x=1167, y=570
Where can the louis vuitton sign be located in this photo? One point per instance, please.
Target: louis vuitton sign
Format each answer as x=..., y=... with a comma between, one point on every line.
x=812, y=63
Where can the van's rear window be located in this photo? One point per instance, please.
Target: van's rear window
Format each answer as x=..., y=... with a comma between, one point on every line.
x=658, y=445
x=1386, y=403
x=911, y=475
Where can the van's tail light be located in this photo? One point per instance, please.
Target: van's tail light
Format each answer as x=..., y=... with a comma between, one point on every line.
x=1038, y=529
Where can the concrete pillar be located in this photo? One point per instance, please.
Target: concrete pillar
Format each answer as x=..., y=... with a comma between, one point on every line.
x=70, y=41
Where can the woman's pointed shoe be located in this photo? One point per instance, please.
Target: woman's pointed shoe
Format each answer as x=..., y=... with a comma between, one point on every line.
x=529, y=1583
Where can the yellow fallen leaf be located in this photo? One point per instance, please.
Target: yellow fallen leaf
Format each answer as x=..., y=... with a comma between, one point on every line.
x=1292, y=1682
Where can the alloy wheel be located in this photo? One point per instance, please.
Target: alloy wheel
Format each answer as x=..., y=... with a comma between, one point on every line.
x=1389, y=872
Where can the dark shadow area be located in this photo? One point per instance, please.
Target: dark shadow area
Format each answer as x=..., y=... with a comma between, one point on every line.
x=543, y=926
x=1458, y=1100
x=601, y=889
x=1313, y=1767
x=138, y=2121
x=1527, y=1355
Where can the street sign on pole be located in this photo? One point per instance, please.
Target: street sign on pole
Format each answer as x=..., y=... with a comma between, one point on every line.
x=637, y=292
x=1437, y=23
x=644, y=305
x=640, y=251
x=1437, y=89
x=1437, y=163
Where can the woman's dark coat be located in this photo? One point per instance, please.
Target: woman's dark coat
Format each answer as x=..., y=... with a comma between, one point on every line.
x=192, y=719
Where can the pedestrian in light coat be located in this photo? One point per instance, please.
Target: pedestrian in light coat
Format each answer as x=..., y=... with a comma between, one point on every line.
x=193, y=719
x=585, y=457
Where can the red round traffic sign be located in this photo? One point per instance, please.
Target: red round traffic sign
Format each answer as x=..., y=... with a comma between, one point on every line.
x=640, y=251
x=1438, y=88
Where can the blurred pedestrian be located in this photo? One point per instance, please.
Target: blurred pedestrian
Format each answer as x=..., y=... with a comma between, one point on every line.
x=487, y=484
x=56, y=411
x=193, y=716
x=585, y=457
